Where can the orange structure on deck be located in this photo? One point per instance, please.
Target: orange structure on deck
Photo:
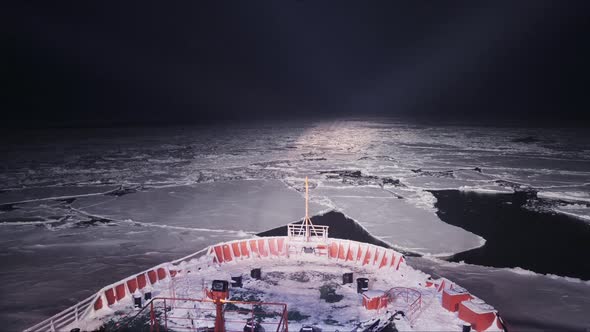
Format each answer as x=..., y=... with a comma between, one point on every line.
x=452, y=297
x=480, y=315
x=375, y=299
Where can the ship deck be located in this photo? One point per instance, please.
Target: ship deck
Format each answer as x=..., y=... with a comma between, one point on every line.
x=310, y=286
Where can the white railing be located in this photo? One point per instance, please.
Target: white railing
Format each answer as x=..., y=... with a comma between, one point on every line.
x=81, y=309
x=64, y=318
x=300, y=231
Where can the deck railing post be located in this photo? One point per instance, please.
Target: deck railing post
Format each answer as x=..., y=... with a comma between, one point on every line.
x=152, y=318
x=286, y=311
x=165, y=316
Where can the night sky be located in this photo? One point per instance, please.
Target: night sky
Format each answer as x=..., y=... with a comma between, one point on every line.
x=93, y=63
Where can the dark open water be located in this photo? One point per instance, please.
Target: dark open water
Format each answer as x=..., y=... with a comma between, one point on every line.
x=340, y=228
x=517, y=237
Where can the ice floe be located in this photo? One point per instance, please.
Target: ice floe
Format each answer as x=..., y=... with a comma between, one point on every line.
x=399, y=223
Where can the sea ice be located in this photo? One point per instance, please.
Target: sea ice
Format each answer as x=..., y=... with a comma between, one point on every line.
x=51, y=193
x=399, y=223
x=251, y=206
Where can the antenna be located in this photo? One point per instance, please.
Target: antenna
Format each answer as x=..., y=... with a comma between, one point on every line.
x=306, y=229
x=307, y=221
x=306, y=199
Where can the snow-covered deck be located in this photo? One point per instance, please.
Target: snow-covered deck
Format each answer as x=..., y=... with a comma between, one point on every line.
x=298, y=278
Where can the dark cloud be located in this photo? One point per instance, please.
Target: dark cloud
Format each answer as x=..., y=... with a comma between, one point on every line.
x=93, y=63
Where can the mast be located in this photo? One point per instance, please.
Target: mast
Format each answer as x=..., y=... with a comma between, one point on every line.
x=305, y=230
x=307, y=220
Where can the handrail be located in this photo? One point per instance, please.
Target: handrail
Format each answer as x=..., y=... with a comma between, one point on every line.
x=180, y=260
x=51, y=322
x=82, y=308
x=296, y=230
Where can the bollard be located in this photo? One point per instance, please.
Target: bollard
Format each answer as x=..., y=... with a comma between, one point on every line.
x=362, y=285
x=236, y=281
x=147, y=293
x=137, y=299
x=347, y=278
x=256, y=273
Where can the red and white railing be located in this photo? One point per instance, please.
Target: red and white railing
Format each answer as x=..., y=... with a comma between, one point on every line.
x=353, y=252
